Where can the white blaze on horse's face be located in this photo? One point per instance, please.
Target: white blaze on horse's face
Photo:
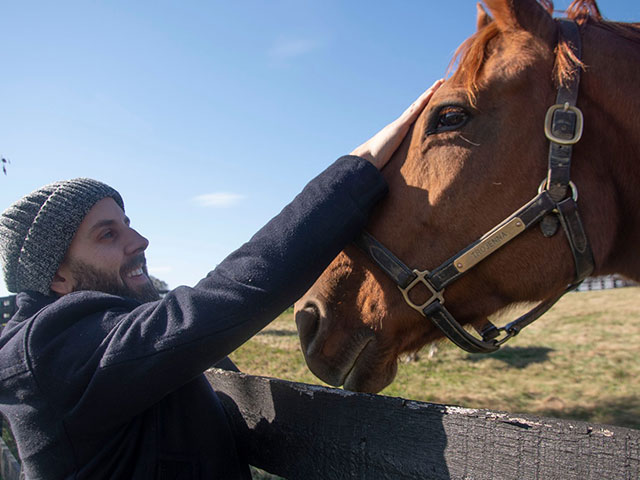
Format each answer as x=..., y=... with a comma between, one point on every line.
x=475, y=155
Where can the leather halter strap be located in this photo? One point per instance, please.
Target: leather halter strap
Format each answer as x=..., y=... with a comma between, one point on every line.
x=552, y=206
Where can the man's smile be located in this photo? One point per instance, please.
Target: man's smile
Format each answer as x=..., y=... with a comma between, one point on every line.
x=135, y=273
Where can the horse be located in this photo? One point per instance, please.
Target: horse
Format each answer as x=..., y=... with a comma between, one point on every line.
x=518, y=180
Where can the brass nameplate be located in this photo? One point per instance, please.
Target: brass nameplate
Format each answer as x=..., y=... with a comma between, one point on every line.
x=488, y=244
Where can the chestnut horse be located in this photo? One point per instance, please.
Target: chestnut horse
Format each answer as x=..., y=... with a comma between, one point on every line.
x=476, y=155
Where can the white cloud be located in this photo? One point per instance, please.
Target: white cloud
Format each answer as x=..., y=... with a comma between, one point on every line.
x=218, y=199
x=284, y=49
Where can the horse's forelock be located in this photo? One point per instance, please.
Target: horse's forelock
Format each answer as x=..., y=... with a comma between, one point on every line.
x=586, y=12
x=547, y=5
x=583, y=10
x=471, y=55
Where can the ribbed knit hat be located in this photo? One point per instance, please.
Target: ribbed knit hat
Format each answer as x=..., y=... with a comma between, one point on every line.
x=36, y=231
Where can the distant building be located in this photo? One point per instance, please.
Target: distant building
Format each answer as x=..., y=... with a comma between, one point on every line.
x=605, y=282
x=7, y=309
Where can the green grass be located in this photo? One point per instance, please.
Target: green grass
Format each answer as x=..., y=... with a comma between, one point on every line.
x=579, y=361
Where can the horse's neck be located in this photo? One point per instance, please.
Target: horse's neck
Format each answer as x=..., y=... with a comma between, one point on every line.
x=611, y=94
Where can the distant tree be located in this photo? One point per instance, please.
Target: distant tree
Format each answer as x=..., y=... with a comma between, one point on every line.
x=161, y=286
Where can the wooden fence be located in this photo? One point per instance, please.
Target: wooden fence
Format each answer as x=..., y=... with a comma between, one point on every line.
x=605, y=282
x=309, y=432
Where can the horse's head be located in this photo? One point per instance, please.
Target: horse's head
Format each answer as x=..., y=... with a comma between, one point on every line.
x=475, y=155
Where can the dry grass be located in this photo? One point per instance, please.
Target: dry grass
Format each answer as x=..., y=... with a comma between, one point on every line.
x=579, y=361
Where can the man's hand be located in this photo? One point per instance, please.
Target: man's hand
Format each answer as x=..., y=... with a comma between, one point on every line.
x=380, y=147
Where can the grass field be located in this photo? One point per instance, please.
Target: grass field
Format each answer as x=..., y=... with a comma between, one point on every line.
x=579, y=361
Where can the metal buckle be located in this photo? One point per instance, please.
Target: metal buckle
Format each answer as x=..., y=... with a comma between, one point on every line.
x=548, y=123
x=421, y=277
x=572, y=186
x=508, y=333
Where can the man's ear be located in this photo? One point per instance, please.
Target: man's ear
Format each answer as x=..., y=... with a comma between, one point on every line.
x=62, y=281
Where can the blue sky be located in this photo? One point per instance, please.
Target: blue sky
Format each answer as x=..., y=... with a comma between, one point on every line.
x=209, y=117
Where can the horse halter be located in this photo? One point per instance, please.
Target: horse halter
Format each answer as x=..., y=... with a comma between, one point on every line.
x=554, y=204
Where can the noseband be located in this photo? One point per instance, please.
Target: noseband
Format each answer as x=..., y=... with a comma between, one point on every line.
x=554, y=204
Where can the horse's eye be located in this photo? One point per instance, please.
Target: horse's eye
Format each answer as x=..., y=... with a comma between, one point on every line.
x=451, y=117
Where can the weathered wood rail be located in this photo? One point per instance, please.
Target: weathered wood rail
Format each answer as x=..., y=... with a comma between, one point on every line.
x=309, y=432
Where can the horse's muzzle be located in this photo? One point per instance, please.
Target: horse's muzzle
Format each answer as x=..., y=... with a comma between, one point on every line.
x=330, y=352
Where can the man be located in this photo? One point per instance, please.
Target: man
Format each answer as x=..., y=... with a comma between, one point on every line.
x=101, y=379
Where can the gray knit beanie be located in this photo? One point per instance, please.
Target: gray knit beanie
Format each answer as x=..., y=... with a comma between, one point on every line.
x=36, y=231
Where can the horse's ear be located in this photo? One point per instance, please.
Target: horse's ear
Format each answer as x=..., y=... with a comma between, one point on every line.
x=529, y=15
x=483, y=19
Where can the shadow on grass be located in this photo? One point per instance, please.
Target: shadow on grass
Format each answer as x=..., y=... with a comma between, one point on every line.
x=516, y=357
x=622, y=412
x=278, y=333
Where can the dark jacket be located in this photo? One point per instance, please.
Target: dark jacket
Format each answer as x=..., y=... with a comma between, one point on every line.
x=102, y=387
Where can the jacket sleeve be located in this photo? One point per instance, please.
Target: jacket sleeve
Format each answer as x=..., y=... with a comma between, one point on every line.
x=145, y=353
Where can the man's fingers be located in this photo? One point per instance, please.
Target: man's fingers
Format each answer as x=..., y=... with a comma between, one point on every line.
x=381, y=146
x=416, y=107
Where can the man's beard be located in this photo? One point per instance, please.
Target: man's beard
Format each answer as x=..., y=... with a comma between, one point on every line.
x=91, y=278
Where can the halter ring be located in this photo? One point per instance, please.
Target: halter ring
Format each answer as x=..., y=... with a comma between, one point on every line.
x=572, y=186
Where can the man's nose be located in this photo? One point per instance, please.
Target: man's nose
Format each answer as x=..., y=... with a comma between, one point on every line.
x=136, y=243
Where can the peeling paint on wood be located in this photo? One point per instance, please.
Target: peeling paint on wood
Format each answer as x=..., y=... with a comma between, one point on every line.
x=312, y=432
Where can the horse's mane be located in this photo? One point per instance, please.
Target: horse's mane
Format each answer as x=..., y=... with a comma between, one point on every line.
x=471, y=55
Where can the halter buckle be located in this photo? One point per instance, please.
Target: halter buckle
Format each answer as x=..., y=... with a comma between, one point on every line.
x=550, y=122
x=491, y=333
x=421, y=277
x=508, y=333
x=574, y=190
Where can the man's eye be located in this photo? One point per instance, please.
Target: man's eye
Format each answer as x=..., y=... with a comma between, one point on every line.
x=107, y=235
x=451, y=117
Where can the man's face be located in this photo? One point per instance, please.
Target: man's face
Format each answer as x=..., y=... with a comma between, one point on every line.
x=106, y=255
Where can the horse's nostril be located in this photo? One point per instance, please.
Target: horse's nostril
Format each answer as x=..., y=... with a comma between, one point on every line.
x=308, y=321
x=312, y=307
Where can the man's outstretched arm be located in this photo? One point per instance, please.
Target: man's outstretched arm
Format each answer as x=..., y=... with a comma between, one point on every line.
x=159, y=346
